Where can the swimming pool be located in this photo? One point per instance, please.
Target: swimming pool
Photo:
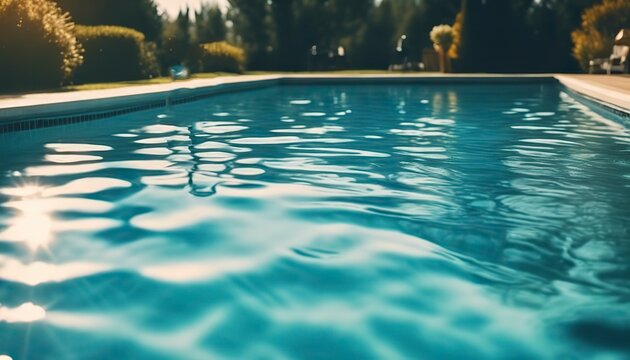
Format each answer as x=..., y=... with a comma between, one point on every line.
x=321, y=221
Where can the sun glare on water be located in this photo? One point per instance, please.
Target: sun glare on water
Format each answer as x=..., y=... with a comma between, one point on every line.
x=33, y=224
x=27, y=312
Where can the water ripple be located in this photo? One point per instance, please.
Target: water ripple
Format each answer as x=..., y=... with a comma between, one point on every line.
x=341, y=222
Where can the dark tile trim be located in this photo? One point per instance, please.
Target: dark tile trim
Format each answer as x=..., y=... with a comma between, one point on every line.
x=617, y=114
x=30, y=124
x=174, y=97
x=186, y=95
x=451, y=80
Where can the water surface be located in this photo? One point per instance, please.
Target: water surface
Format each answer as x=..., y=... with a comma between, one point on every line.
x=318, y=222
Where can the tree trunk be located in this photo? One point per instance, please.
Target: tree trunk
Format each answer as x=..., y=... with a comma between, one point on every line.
x=444, y=60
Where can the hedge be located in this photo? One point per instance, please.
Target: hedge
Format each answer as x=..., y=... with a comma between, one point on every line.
x=114, y=53
x=221, y=56
x=38, y=48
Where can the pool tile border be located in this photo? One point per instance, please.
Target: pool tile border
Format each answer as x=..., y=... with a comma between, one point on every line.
x=72, y=112
x=164, y=99
x=601, y=107
x=31, y=124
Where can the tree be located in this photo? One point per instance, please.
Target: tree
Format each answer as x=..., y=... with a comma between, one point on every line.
x=141, y=15
x=517, y=35
x=343, y=18
x=38, y=47
x=420, y=18
x=375, y=41
x=288, y=55
x=277, y=34
x=251, y=20
x=600, y=24
x=550, y=23
x=442, y=37
x=471, y=36
x=210, y=24
x=176, y=40
x=492, y=37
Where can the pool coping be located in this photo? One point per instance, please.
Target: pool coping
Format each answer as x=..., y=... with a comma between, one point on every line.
x=598, y=97
x=32, y=111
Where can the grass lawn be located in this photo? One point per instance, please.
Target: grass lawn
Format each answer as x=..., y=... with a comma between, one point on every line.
x=166, y=79
x=158, y=80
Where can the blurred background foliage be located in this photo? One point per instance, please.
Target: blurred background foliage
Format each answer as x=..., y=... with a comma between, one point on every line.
x=600, y=24
x=39, y=41
x=219, y=56
x=114, y=53
x=38, y=48
x=141, y=15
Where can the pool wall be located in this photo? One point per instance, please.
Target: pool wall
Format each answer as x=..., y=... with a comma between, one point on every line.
x=74, y=111
x=45, y=110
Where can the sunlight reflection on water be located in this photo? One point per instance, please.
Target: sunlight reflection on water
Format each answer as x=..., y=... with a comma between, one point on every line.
x=447, y=221
x=27, y=312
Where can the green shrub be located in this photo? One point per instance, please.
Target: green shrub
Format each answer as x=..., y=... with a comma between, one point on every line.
x=453, y=52
x=114, y=53
x=600, y=24
x=141, y=15
x=38, y=48
x=221, y=56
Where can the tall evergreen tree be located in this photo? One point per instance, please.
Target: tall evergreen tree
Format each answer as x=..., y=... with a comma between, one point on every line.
x=497, y=35
x=551, y=23
x=489, y=38
x=250, y=21
x=282, y=31
x=176, y=44
x=210, y=24
x=375, y=40
x=289, y=54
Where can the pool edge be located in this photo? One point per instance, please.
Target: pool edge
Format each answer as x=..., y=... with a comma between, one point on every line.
x=99, y=104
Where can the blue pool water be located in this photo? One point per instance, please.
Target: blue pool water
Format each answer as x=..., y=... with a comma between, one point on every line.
x=321, y=222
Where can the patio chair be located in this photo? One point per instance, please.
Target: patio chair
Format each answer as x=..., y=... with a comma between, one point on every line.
x=618, y=60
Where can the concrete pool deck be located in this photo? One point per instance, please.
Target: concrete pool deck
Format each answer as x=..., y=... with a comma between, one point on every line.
x=611, y=91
